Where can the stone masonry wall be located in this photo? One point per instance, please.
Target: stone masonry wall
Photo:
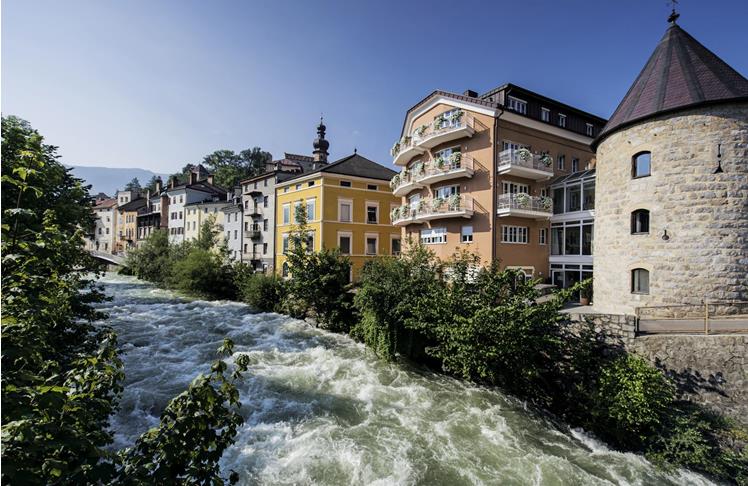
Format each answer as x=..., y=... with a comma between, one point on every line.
x=710, y=370
x=705, y=214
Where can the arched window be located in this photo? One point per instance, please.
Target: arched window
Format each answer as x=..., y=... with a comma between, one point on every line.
x=640, y=222
x=284, y=271
x=641, y=164
x=639, y=281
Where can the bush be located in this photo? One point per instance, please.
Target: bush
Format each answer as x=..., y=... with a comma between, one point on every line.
x=152, y=261
x=201, y=272
x=262, y=292
x=632, y=400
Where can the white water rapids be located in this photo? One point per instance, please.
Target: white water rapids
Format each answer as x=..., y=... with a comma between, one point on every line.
x=322, y=409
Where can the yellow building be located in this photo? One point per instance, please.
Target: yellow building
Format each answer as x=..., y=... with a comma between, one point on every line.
x=348, y=205
x=195, y=214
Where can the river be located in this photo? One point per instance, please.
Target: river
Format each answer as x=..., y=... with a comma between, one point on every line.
x=322, y=409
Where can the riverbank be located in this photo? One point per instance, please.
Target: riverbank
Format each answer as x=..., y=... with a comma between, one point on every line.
x=321, y=409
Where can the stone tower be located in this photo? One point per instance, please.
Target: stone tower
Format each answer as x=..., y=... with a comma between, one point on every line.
x=320, y=144
x=671, y=202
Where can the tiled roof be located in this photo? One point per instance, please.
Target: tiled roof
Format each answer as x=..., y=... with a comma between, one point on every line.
x=355, y=165
x=681, y=73
x=304, y=158
x=133, y=205
x=107, y=203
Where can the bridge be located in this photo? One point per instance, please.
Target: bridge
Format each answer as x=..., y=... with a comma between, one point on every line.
x=110, y=258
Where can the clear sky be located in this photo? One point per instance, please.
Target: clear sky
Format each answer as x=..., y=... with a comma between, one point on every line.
x=157, y=84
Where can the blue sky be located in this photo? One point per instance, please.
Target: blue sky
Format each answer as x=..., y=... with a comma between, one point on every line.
x=157, y=84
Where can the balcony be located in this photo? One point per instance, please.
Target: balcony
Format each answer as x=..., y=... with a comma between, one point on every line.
x=456, y=206
x=405, y=149
x=447, y=130
x=523, y=163
x=524, y=206
x=253, y=232
x=442, y=169
x=255, y=211
x=404, y=182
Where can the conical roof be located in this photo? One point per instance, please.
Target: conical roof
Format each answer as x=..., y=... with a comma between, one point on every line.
x=681, y=73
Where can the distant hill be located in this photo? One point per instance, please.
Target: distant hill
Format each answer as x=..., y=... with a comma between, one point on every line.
x=108, y=179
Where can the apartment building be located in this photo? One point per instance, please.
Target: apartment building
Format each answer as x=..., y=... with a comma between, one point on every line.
x=198, y=213
x=196, y=189
x=476, y=171
x=127, y=223
x=154, y=215
x=347, y=205
x=105, y=215
x=233, y=219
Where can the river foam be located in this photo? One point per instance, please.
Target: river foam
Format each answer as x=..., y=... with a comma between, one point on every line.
x=321, y=409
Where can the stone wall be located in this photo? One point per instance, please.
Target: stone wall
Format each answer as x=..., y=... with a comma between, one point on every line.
x=705, y=214
x=710, y=370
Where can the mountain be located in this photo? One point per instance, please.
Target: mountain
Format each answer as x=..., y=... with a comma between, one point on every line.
x=109, y=179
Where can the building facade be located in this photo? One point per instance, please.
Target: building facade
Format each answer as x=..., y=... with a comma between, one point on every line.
x=476, y=169
x=154, y=215
x=672, y=184
x=195, y=190
x=105, y=226
x=198, y=213
x=347, y=205
x=233, y=220
x=127, y=223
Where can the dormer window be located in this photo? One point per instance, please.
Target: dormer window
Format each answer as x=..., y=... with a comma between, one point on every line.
x=516, y=104
x=562, y=120
x=590, y=130
x=545, y=115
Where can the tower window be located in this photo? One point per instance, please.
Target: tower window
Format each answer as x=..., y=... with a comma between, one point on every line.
x=641, y=165
x=639, y=281
x=640, y=222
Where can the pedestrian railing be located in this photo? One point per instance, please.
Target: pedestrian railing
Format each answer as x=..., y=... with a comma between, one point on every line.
x=709, y=317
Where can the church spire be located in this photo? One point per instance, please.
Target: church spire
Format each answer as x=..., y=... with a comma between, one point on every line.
x=673, y=15
x=320, y=144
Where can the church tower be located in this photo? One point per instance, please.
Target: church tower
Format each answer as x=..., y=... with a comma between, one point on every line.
x=320, y=144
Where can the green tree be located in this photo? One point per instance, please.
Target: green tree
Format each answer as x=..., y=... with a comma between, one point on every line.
x=133, y=185
x=228, y=167
x=152, y=261
x=151, y=186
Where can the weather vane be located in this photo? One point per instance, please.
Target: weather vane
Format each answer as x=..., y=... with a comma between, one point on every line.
x=673, y=14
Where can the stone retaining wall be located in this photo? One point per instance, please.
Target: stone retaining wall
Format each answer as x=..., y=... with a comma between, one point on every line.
x=711, y=370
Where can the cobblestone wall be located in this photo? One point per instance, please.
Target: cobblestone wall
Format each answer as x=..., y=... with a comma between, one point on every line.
x=706, y=215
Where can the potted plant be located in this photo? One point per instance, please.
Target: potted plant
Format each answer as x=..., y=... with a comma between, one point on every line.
x=395, y=214
x=404, y=210
x=439, y=162
x=585, y=293
x=436, y=203
x=395, y=181
x=455, y=159
x=439, y=121
x=455, y=116
x=454, y=202
x=418, y=168
x=546, y=160
x=421, y=130
x=522, y=199
x=546, y=202
x=395, y=149
x=524, y=154
x=421, y=205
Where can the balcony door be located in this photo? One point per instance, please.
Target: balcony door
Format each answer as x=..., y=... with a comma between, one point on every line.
x=515, y=188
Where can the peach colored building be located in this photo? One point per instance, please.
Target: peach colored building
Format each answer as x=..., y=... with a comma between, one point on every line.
x=476, y=171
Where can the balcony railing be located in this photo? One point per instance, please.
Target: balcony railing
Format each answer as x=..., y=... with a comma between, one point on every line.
x=406, y=149
x=523, y=163
x=253, y=231
x=447, y=130
x=452, y=167
x=524, y=205
x=455, y=206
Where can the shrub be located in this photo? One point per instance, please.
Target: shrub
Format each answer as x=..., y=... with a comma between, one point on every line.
x=262, y=292
x=632, y=400
x=152, y=261
x=201, y=272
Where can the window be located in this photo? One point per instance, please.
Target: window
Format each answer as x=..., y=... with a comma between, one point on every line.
x=561, y=162
x=639, y=281
x=236, y=234
x=448, y=119
x=395, y=246
x=545, y=114
x=298, y=215
x=285, y=243
x=264, y=248
x=514, y=234
x=265, y=201
x=266, y=182
x=572, y=240
x=310, y=183
x=434, y=236
x=514, y=188
x=344, y=243
x=372, y=213
x=515, y=104
x=590, y=130
x=513, y=146
x=589, y=195
x=640, y=222
x=284, y=271
x=466, y=235
x=641, y=166
x=344, y=210
x=445, y=191
x=372, y=244
x=372, y=187
x=298, y=186
x=245, y=248
x=345, y=183
x=575, y=164
x=287, y=213
x=574, y=198
x=543, y=236
x=310, y=207
x=264, y=224
x=285, y=189
x=562, y=120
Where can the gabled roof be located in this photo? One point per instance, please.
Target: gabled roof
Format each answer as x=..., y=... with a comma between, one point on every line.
x=106, y=204
x=133, y=205
x=202, y=186
x=354, y=165
x=681, y=73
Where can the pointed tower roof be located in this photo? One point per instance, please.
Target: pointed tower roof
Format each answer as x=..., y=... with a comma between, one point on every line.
x=681, y=73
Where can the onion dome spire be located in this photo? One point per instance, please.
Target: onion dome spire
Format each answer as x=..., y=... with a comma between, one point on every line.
x=320, y=144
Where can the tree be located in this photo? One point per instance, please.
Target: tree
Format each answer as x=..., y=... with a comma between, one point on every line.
x=133, y=185
x=256, y=160
x=228, y=167
x=151, y=186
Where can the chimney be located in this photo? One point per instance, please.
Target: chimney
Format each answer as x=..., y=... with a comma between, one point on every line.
x=172, y=182
x=210, y=179
x=148, y=199
x=158, y=186
x=470, y=93
x=193, y=177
